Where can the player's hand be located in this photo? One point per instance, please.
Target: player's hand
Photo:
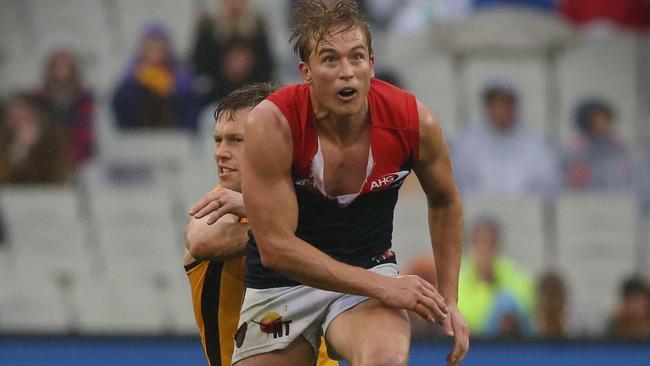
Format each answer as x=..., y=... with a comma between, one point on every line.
x=415, y=294
x=218, y=203
x=456, y=327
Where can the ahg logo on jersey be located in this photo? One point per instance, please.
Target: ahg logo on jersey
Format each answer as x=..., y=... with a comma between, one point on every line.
x=388, y=179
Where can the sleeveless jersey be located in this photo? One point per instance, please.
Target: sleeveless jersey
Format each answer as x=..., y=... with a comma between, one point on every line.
x=355, y=229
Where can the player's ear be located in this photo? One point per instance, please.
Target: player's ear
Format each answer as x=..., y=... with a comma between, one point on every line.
x=305, y=72
x=372, y=66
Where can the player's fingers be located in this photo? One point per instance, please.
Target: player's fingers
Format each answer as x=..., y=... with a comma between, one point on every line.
x=209, y=208
x=447, y=328
x=216, y=215
x=202, y=202
x=422, y=311
x=461, y=345
x=435, y=296
x=427, y=284
x=433, y=308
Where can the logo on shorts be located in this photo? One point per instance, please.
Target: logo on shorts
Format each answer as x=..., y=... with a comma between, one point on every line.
x=241, y=334
x=272, y=323
x=388, y=180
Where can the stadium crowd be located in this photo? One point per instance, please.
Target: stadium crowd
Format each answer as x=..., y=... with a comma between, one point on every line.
x=48, y=135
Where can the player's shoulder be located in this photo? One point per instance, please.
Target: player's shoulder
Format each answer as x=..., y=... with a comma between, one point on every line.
x=289, y=93
x=383, y=89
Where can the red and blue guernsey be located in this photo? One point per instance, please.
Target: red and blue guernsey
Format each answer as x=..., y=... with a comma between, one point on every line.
x=356, y=228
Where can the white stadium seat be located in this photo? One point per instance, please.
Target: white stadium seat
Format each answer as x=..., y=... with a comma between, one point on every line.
x=178, y=302
x=109, y=307
x=130, y=194
x=16, y=61
x=596, y=250
x=45, y=230
x=31, y=304
x=80, y=23
x=155, y=147
x=425, y=71
x=410, y=228
x=177, y=15
x=44, y=205
x=144, y=251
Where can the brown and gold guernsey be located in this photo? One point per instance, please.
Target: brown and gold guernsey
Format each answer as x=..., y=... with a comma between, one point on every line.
x=217, y=293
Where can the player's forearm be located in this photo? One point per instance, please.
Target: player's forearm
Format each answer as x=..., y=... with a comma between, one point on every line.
x=302, y=262
x=218, y=242
x=446, y=230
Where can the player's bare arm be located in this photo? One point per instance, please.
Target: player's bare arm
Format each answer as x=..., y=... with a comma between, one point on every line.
x=271, y=204
x=221, y=241
x=445, y=224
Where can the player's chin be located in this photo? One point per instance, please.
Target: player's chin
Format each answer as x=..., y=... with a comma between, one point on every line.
x=230, y=182
x=349, y=109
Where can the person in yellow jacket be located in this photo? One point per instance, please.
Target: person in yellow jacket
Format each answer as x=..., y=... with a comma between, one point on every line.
x=494, y=296
x=214, y=257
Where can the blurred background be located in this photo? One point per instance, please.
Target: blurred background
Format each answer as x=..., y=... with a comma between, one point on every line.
x=106, y=120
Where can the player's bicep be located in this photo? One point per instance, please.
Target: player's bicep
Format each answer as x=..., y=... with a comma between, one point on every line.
x=267, y=185
x=434, y=169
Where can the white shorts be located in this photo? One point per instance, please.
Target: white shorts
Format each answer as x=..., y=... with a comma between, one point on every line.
x=271, y=319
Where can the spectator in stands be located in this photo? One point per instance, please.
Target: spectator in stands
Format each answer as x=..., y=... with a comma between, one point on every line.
x=607, y=14
x=32, y=148
x=3, y=234
x=231, y=49
x=70, y=103
x=546, y=5
x=642, y=179
x=499, y=155
x=551, y=308
x=494, y=296
x=596, y=159
x=156, y=90
x=631, y=318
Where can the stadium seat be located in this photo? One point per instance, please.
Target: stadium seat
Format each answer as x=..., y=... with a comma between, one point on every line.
x=151, y=147
x=42, y=205
x=178, y=301
x=523, y=229
x=425, y=71
x=16, y=67
x=596, y=250
x=144, y=251
x=411, y=230
x=526, y=72
x=128, y=194
x=55, y=251
x=80, y=23
x=602, y=67
x=177, y=15
x=46, y=233
x=30, y=304
x=196, y=178
x=109, y=307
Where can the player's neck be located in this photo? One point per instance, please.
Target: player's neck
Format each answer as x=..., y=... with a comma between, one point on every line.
x=344, y=129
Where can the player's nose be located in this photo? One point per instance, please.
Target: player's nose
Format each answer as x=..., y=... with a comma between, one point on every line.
x=345, y=71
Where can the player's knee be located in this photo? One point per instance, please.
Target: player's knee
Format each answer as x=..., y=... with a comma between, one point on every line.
x=384, y=356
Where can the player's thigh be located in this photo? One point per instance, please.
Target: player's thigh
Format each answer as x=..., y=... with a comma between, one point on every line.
x=371, y=334
x=299, y=353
